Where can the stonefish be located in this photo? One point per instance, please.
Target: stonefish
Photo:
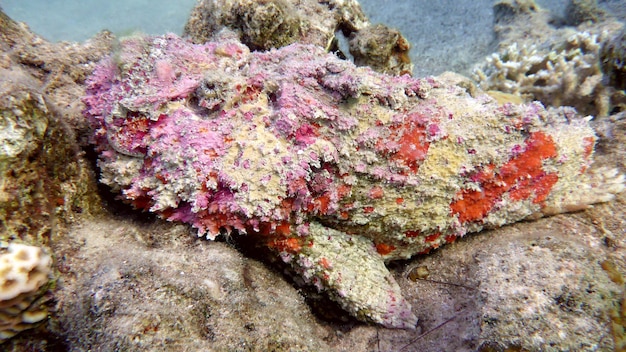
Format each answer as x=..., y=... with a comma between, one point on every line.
x=338, y=169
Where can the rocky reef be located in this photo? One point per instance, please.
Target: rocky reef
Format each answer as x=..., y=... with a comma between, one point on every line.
x=126, y=280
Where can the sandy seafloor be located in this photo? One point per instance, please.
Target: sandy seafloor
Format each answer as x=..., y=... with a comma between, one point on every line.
x=447, y=35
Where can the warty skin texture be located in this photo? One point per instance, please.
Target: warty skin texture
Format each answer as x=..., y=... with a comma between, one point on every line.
x=338, y=169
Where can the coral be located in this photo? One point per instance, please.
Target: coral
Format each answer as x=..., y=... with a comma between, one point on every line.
x=336, y=168
x=24, y=274
x=569, y=76
x=539, y=58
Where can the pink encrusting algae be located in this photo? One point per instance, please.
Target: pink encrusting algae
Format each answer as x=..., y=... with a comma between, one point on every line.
x=336, y=168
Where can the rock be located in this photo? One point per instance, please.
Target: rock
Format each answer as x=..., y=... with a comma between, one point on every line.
x=580, y=11
x=612, y=57
x=154, y=287
x=383, y=49
x=59, y=69
x=506, y=11
x=45, y=183
x=276, y=23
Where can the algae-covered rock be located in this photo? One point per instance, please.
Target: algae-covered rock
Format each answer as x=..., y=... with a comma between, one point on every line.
x=43, y=179
x=59, y=69
x=507, y=10
x=580, y=11
x=263, y=25
x=551, y=291
x=382, y=48
x=613, y=60
x=267, y=24
x=134, y=287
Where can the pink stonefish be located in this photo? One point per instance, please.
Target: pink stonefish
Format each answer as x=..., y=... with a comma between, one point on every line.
x=336, y=168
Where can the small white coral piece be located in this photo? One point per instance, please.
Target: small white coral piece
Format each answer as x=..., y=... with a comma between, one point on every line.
x=24, y=270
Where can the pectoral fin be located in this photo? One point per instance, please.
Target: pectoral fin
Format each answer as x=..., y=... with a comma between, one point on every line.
x=353, y=273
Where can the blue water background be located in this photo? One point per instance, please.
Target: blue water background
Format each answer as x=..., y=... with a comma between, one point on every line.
x=77, y=20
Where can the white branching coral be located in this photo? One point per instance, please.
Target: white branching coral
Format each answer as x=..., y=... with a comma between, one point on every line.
x=24, y=273
x=568, y=76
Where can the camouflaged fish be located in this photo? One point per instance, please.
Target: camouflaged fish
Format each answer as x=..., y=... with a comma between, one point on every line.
x=338, y=169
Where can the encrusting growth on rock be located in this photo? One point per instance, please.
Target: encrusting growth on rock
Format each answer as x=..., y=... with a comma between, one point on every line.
x=267, y=24
x=336, y=168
